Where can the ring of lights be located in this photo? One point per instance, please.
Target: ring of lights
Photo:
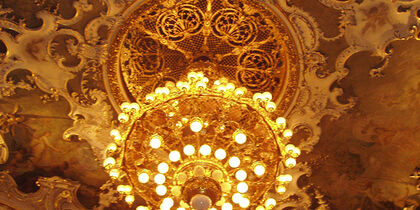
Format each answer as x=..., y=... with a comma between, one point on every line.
x=186, y=134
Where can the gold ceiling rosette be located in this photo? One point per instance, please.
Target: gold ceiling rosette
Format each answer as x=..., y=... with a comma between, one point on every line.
x=200, y=144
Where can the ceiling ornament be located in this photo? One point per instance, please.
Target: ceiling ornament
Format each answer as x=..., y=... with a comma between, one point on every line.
x=202, y=144
x=266, y=45
x=53, y=193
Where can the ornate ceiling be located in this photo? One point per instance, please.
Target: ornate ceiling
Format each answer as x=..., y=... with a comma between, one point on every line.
x=344, y=73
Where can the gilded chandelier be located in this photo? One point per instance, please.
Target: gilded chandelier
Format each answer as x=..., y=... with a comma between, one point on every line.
x=201, y=144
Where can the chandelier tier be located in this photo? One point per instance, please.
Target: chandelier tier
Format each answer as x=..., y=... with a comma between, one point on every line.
x=201, y=144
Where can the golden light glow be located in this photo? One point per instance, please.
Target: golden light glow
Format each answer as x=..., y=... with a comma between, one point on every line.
x=112, y=147
x=196, y=125
x=205, y=150
x=239, y=137
x=174, y=156
x=142, y=208
x=163, y=168
x=129, y=199
x=244, y=203
x=242, y=187
x=161, y=190
x=109, y=162
x=287, y=133
x=241, y=175
x=259, y=170
x=124, y=188
x=227, y=206
x=270, y=203
x=155, y=141
x=114, y=173
x=237, y=197
x=159, y=179
x=220, y=154
x=234, y=162
x=290, y=162
x=189, y=150
x=143, y=178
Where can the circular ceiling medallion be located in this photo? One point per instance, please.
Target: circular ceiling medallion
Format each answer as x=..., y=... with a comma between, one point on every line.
x=242, y=40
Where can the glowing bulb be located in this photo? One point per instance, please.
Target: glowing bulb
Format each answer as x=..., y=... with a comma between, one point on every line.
x=259, y=170
x=281, y=189
x=241, y=175
x=134, y=107
x=239, y=137
x=192, y=76
x=230, y=86
x=258, y=97
x=196, y=125
x=296, y=152
x=159, y=178
x=285, y=178
x=290, y=162
x=270, y=203
x=163, y=168
x=234, y=162
x=227, y=206
x=167, y=203
x=109, y=162
x=244, y=203
x=267, y=96
x=240, y=91
x=155, y=141
x=260, y=208
x=281, y=122
x=114, y=173
x=143, y=177
x=129, y=199
x=289, y=148
x=164, y=90
x=201, y=85
x=161, y=190
x=142, y=208
x=174, y=156
x=220, y=154
x=124, y=188
x=150, y=97
x=123, y=117
x=287, y=133
x=112, y=147
x=125, y=106
x=271, y=106
x=237, y=197
x=115, y=134
x=189, y=150
x=205, y=150
x=242, y=187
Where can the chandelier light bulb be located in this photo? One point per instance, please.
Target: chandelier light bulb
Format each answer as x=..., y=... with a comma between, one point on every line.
x=161, y=190
x=134, y=107
x=150, y=97
x=167, y=203
x=285, y=178
x=196, y=125
x=123, y=117
x=227, y=206
x=112, y=147
x=244, y=203
x=163, y=168
x=159, y=179
x=220, y=154
x=174, y=156
x=296, y=152
x=271, y=106
x=125, y=106
x=259, y=170
x=287, y=133
x=281, y=122
x=129, y=199
x=155, y=141
x=281, y=189
x=241, y=175
x=230, y=86
x=189, y=150
x=124, y=188
x=290, y=162
x=240, y=91
x=289, y=148
x=143, y=178
x=142, y=208
x=242, y=187
x=205, y=150
x=234, y=162
x=239, y=137
x=114, y=173
x=109, y=162
x=237, y=197
x=267, y=96
x=270, y=203
x=258, y=97
x=260, y=208
x=115, y=134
